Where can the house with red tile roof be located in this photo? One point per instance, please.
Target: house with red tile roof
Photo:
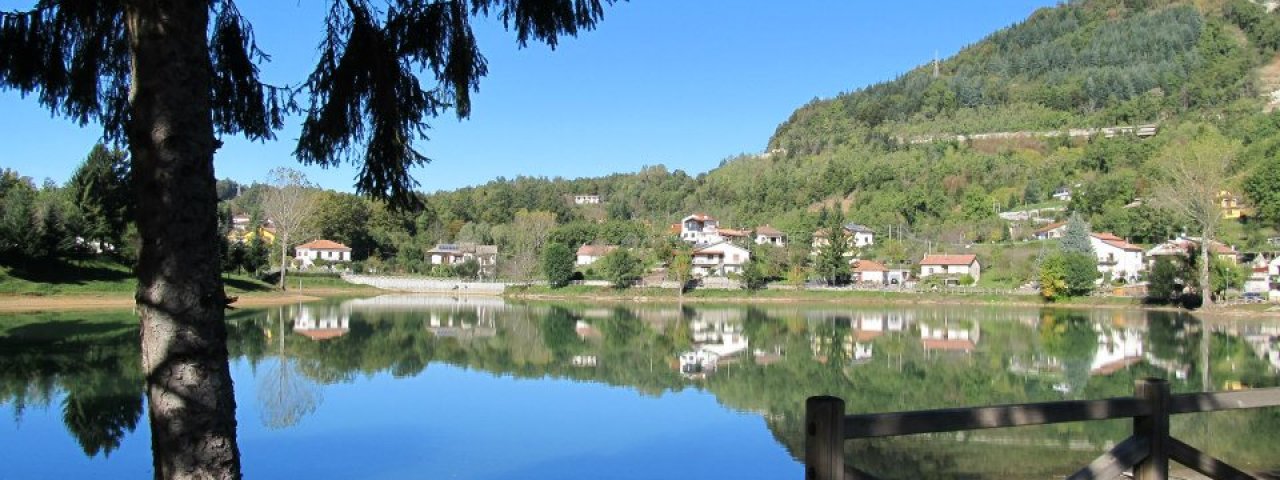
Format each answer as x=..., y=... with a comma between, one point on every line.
x=700, y=229
x=951, y=265
x=1117, y=257
x=327, y=250
x=767, y=235
x=588, y=254
x=869, y=271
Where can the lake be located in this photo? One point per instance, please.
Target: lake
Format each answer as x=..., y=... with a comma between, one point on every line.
x=403, y=386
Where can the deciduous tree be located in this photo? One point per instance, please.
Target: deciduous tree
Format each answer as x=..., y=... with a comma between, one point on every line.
x=288, y=205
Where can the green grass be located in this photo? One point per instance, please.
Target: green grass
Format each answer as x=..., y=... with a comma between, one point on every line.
x=84, y=277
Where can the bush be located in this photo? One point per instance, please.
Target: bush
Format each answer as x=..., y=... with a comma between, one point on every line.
x=557, y=264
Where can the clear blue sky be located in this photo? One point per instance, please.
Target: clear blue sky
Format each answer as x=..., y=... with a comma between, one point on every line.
x=674, y=82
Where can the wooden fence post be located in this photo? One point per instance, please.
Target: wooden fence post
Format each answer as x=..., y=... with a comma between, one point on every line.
x=1154, y=428
x=824, y=438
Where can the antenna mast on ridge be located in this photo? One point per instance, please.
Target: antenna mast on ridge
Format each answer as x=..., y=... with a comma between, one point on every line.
x=935, y=64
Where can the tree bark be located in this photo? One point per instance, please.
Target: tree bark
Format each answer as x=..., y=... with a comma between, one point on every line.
x=180, y=298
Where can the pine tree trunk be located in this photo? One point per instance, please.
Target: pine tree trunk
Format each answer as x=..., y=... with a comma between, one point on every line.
x=180, y=297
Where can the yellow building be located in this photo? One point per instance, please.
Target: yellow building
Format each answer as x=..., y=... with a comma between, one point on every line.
x=1232, y=206
x=243, y=236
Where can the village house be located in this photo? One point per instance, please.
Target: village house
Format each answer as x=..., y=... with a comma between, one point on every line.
x=700, y=229
x=859, y=237
x=327, y=250
x=719, y=259
x=1062, y=194
x=1117, y=257
x=588, y=254
x=869, y=272
x=767, y=235
x=586, y=199
x=1232, y=206
x=740, y=237
x=953, y=266
x=1052, y=230
x=455, y=253
x=1180, y=248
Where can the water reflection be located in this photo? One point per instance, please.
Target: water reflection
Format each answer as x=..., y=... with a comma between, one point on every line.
x=762, y=362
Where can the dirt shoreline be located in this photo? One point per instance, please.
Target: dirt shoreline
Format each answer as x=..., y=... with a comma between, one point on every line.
x=865, y=301
x=125, y=301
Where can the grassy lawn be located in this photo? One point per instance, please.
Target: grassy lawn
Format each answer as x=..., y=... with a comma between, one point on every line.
x=85, y=277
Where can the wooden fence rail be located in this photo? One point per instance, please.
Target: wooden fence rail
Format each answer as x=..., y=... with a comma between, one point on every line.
x=1146, y=453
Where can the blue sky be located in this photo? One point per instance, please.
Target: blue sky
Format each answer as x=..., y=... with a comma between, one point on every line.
x=680, y=83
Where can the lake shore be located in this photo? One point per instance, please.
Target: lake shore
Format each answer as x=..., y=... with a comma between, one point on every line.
x=858, y=298
x=19, y=303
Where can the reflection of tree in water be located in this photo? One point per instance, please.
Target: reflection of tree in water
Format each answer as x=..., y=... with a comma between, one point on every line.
x=99, y=413
x=1070, y=337
x=285, y=396
x=94, y=363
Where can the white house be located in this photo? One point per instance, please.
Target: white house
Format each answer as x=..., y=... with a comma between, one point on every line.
x=454, y=253
x=700, y=229
x=869, y=272
x=862, y=236
x=951, y=265
x=1179, y=247
x=586, y=199
x=1063, y=194
x=859, y=236
x=327, y=250
x=1115, y=256
x=588, y=254
x=771, y=236
x=1052, y=230
x=719, y=259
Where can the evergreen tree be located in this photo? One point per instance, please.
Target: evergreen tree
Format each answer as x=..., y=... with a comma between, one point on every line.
x=831, y=264
x=1076, y=237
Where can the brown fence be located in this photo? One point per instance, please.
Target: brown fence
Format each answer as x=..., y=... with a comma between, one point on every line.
x=1147, y=452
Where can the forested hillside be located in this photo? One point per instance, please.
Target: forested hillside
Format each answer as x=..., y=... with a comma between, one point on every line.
x=1189, y=66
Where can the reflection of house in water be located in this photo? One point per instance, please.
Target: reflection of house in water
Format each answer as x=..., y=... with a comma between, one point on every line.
x=1118, y=348
x=461, y=325
x=322, y=322
x=463, y=317
x=587, y=332
x=718, y=334
x=864, y=327
x=584, y=361
x=950, y=337
x=698, y=363
x=1265, y=341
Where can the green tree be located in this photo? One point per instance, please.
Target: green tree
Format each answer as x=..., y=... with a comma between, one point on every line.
x=100, y=189
x=1163, y=281
x=831, y=264
x=169, y=77
x=557, y=264
x=753, y=277
x=620, y=267
x=1227, y=275
x=682, y=268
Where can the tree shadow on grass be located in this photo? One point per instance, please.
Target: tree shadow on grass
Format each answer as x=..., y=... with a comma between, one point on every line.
x=62, y=272
x=245, y=285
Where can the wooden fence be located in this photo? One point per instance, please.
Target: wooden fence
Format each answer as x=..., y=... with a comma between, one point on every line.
x=1147, y=452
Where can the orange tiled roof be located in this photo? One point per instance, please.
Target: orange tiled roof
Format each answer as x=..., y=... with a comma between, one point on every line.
x=325, y=245
x=949, y=259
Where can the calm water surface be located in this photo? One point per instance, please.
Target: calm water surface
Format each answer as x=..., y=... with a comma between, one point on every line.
x=432, y=387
